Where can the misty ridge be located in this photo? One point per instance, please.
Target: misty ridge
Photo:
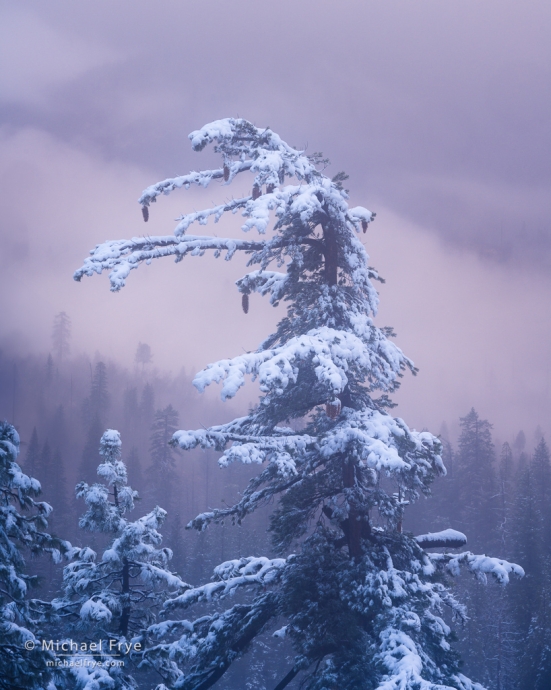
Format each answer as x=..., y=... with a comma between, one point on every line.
x=61, y=405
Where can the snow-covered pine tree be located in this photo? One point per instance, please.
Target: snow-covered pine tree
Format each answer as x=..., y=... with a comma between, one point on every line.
x=360, y=600
x=118, y=595
x=23, y=521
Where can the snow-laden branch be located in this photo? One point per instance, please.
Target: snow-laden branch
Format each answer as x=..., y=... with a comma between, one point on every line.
x=448, y=538
x=282, y=450
x=202, y=179
x=480, y=566
x=404, y=662
x=331, y=352
x=121, y=256
x=263, y=282
x=230, y=576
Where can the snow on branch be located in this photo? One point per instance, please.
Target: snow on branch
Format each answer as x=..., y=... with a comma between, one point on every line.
x=480, y=566
x=263, y=282
x=281, y=448
x=231, y=575
x=332, y=353
x=448, y=538
x=202, y=179
x=121, y=256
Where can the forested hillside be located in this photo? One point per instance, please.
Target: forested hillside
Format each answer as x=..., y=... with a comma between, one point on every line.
x=499, y=496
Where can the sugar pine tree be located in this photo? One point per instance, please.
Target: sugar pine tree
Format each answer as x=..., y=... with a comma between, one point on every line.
x=360, y=600
x=23, y=525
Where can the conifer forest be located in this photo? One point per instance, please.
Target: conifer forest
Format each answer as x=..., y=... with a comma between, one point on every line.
x=315, y=541
x=275, y=345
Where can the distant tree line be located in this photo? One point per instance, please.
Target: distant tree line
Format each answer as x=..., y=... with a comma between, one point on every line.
x=502, y=500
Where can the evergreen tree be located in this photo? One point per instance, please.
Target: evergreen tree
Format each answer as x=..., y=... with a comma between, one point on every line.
x=118, y=594
x=135, y=468
x=147, y=406
x=506, y=492
x=537, y=652
x=97, y=403
x=477, y=481
x=32, y=456
x=60, y=432
x=57, y=492
x=61, y=336
x=143, y=355
x=162, y=472
x=361, y=600
x=541, y=469
x=520, y=442
x=131, y=411
x=49, y=369
x=89, y=457
x=23, y=524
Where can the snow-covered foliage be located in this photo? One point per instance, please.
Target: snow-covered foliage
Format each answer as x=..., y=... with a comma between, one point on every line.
x=23, y=525
x=360, y=600
x=449, y=538
x=118, y=593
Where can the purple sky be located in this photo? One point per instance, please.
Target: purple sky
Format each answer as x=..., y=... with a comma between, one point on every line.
x=439, y=111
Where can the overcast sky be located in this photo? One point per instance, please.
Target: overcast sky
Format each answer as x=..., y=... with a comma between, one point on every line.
x=438, y=110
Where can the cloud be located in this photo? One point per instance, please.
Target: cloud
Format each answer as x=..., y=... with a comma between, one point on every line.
x=438, y=111
x=37, y=57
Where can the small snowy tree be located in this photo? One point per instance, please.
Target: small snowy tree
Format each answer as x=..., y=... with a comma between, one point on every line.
x=360, y=600
x=117, y=596
x=23, y=521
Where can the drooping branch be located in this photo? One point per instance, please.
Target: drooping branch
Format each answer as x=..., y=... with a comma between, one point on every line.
x=121, y=256
x=202, y=179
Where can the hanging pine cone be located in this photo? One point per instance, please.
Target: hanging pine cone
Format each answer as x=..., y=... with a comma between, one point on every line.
x=256, y=191
x=270, y=188
x=364, y=225
x=226, y=173
x=281, y=176
x=333, y=408
x=245, y=303
x=145, y=213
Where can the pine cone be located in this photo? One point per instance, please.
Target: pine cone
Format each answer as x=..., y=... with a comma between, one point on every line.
x=245, y=303
x=256, y=192
x=145, y=213
x=226, y=173
x=333, y=408
x=364, y=225
x=270, y=188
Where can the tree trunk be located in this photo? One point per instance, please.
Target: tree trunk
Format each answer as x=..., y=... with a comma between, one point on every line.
x=354, y=523
x=330, y=254
x=288, y=678
x=125, y=615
